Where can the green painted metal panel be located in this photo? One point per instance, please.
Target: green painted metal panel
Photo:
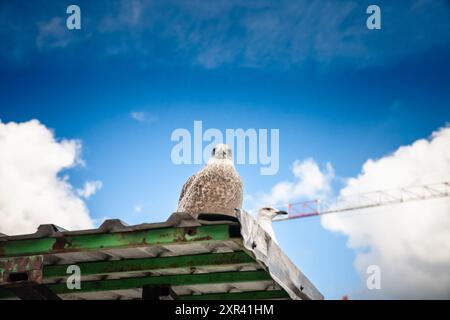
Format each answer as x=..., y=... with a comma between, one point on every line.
x=172, y=280
x=114, y=240
x=250, y=295
x=147, y=264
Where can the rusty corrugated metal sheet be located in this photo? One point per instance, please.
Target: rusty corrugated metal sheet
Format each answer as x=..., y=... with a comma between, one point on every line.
x=179, y=236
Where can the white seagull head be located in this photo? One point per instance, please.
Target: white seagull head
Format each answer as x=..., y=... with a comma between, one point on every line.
x=221, y=152
x=265, y=216
x=269, y=213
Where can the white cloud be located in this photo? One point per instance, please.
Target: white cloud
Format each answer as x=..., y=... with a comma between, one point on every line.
x=142, y=116
x=52, y=34
x=310, y=183
x=138, y=208
x=129, y=14
x=31, y=192
x=410, y=242
x=90, y=188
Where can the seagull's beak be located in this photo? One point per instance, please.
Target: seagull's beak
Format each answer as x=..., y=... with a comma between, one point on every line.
x=282, y=212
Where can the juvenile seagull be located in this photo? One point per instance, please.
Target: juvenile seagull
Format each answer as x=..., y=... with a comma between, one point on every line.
x=217, y=188
x=265, y=217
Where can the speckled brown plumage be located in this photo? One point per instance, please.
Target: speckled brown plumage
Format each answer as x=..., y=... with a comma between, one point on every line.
x=217, y=188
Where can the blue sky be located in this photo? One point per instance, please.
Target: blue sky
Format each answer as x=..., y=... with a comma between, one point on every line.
x=338, y=92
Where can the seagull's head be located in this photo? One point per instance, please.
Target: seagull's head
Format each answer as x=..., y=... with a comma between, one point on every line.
x=222, y=152
x=270, y=213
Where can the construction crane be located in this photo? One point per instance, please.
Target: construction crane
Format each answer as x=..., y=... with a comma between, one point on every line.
x=313, y=208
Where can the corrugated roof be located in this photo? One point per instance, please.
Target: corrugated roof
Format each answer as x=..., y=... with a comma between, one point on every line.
x=197, y=259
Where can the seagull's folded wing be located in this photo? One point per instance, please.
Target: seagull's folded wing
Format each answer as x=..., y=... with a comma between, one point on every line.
x=186, y=187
